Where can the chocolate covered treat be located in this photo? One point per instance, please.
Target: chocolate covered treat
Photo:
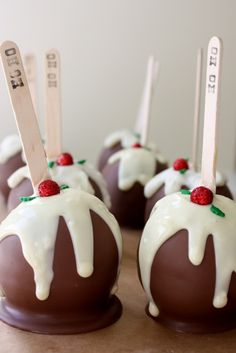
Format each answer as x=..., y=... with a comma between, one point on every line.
x=115, y=142
x=41, y=236
x=187, y=262
x=10, y=160
x=126, y=174
x=180, y=176
x=80, y=175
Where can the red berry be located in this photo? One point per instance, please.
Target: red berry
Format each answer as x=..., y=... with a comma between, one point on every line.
x=65, y=159
x=202, y=196
x=180, y=164
x=136, y=145
x=48, y=188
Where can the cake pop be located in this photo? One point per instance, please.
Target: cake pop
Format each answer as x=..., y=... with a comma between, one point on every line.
x=187, y=250
x=128, y=170
x=62, y=166
x=54, y=227
x=125, y=138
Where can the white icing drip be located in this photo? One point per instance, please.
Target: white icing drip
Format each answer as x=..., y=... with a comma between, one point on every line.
x=173, y=181
x=175, y=212
x=136, y=165
x=98, y=178
x=10, y=146
x=125, y=137
x=38, y=237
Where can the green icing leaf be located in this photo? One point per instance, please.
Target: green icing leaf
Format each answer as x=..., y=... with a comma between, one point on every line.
x=27, y=198
x=137, y=134
x=51, y=164
x=183, y=171
x=217, y=211
x=64, y=186
x=82, y=161
x=185, y=192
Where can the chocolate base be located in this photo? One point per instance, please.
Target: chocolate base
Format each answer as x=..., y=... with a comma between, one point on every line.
x=159, y=194
x=7, y=169
x=127, y=206
x=75, y=304
x=184, y=293
x=106, y=154
x=25, y=189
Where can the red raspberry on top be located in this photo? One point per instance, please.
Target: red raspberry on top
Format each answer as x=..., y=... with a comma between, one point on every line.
x=202, y=196
x=65, y=159
x=136, y=145
x=180, y=164
x=48, y=188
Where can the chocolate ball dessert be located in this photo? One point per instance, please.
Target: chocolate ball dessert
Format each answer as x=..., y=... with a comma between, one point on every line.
x=59, y=262
x=10, y=160
x=179, y=176
x=79, y=175
x=187, y=262
x=115, y=142
x=126, y=174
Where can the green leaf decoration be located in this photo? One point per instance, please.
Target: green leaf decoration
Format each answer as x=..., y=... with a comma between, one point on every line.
x=183, y=171
x=51, y=164
x=137, y=134
x=27, y=198
x=64, y=186
x=185, y=192
x=82, y=161
x=217, y=211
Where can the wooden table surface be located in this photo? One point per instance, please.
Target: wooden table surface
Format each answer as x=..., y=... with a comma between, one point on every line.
x=134, y=332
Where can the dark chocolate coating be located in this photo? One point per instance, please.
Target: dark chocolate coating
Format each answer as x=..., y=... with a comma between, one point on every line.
x=106, y=154
x=6, y=170
x=75, y=304
x=184, y=292
x=159, y=194
x=25, y=189
x=127, y=206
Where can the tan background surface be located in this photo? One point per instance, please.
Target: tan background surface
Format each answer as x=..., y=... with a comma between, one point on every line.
x=134, y=332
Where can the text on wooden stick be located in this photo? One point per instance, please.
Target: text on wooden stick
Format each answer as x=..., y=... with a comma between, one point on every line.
x=52, y=64
x=15, y=73
x=212, y=61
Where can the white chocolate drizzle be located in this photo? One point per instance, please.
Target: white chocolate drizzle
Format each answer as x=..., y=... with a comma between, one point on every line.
x=10, y=146
x=125, y=137
x=76, y=176
x=176, y=212
x=136, y=165
x=36, y=223
x=173, y=181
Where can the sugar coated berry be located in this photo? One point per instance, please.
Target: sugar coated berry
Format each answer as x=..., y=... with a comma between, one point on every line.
x=180, y=164
x=48, y=188
x=202, y=196
x=136, y=145
x=65, y=159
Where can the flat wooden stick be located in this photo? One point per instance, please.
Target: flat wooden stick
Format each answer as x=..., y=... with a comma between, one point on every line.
x=30, y=71
x=53, y=104
x=24, y=112
x=213, y=80
x=140, y=120
x=197, y=105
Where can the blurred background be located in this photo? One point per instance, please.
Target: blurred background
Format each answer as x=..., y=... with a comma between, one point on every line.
x=104, y=46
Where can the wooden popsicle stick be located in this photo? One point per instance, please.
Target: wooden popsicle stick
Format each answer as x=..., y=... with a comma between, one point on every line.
x=139, y=124
x=213, y=80
x=53, y=103
x=30, y=71
x=197, y=105
x=24, y=112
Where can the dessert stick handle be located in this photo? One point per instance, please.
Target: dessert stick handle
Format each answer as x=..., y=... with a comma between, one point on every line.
x=25, y=116
x=31, y=74
x=213, y=81
x=53, y=103
x=197, y=106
